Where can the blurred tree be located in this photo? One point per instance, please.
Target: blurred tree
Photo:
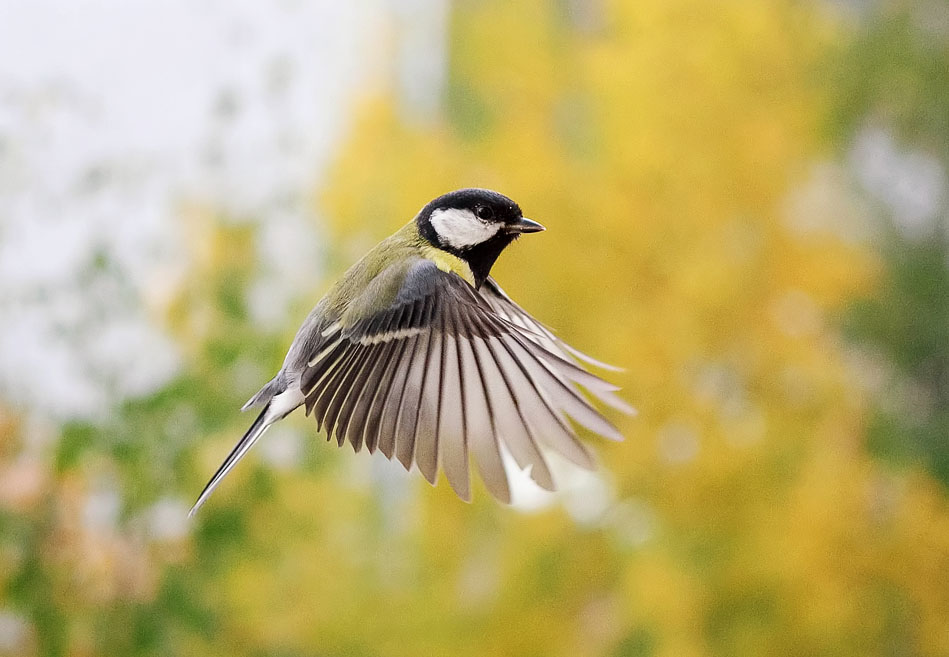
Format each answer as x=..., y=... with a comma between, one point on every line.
x=664, y=144
x=894, y=77
x=892, y=70
x=94, y=546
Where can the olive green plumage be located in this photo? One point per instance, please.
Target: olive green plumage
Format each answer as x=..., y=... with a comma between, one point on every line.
x=374, y=281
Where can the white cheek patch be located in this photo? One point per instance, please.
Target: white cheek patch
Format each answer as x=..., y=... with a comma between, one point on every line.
x=461, y=228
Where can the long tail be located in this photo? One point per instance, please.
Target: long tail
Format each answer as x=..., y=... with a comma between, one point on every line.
x=257, y=429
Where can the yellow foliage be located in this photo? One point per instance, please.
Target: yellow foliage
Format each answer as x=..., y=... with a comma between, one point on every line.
x=660, y=149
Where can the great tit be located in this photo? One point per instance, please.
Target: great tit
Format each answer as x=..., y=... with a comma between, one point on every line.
x=418, y=353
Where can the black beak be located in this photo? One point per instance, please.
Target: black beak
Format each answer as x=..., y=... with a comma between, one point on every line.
x=525, y=225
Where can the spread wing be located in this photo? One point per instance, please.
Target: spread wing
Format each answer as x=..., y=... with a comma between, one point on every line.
x=508, y=309
x=444, y=373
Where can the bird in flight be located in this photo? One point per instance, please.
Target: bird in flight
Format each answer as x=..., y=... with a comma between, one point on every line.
x=418, y=353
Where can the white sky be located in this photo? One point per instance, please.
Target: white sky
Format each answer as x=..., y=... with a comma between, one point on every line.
x=114, y=112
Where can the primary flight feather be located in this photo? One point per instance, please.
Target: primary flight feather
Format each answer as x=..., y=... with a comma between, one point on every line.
x=416, y=352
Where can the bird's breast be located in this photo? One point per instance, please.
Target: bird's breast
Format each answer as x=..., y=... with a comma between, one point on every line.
x=449, y=263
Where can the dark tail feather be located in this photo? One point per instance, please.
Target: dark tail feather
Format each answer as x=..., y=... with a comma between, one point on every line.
x=244, y=444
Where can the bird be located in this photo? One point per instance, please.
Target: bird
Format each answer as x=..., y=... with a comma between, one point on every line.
x=418, y=353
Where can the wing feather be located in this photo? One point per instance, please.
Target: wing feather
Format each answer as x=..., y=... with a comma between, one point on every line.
x=374, y=417
x=363, y=422
x=393, y=400
x=510, y=310
x=357, y=385
x=344, y=392
x=565, y=396
x=447, y=375
x=407, y=417
x=510, y=423
x=603, y=390
x=360, y=390
x=453, y=451
x=368, y=382
x=545, y=419
x=480, y=430
x=392, y=406
x=429, y=410
x=329, y=386
x=323, y=365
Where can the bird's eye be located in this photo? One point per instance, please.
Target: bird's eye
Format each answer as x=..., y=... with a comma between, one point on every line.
x=484, y=212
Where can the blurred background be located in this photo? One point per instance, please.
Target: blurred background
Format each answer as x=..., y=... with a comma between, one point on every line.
x=747, y=207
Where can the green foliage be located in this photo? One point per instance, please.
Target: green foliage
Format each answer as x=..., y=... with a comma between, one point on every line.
x=908, y=322
x=895, y=74
x=894, y=71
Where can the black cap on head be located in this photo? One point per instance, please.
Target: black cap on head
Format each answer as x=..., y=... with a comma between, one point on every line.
x=488, y=205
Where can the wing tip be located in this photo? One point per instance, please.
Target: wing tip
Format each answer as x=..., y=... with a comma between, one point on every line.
x=463, y=492
x=432, y=480
x=590, y=360
x=404, y=458
x=621, y=405
x=613, y=433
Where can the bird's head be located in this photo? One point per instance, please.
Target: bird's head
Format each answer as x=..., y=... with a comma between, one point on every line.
x=475, y=225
